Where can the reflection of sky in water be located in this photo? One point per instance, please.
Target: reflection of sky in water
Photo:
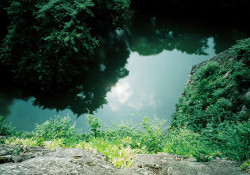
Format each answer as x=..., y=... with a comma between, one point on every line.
x=152, y=87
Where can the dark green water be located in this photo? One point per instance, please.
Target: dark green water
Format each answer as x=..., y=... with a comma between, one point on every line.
x=145, y=70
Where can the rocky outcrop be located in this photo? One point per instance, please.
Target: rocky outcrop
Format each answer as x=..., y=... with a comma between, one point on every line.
x=16, y=153
x=38, y=160
x=167, y=164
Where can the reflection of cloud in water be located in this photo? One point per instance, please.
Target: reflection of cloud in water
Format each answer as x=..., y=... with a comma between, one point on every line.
x=122, y=91
x=154, y=82
x=143, y=100
x=120, y=94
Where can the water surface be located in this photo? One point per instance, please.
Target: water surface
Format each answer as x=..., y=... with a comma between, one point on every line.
x=143, y=72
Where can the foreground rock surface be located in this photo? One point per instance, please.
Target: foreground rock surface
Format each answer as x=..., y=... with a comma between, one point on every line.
x=78, y=161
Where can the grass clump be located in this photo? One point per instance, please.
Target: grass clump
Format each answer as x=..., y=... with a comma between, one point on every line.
x=22, y=141
x=245, y=165
x=117, y=154
x=57, y=127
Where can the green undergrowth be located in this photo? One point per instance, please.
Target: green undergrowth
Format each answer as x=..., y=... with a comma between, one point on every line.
x=216, y=103
x=122, y=142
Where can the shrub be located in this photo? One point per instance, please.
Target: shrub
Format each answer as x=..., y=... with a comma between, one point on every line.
x=94, y=125
x=57, y=127
x=5, y=128
x=234, y=140
x=183, y=141
x=121, y=131
x=153, y=135
x=148, y=139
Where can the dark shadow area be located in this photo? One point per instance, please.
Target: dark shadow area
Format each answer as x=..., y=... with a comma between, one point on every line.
x=7, y=96
x=151, y=35
x=4, y=24
x=223, y=11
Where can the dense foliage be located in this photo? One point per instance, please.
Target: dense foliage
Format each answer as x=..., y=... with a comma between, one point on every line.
x=198, y=9
x=5, y=128
x=50, y=43
x=214, y=96
x=54, y=128
x=216, y=102
x=216, y=93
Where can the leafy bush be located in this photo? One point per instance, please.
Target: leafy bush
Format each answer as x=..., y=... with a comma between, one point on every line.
x=148, y=139
x=234, y=139
x=5, y=128
x=122, y=130
x=153, y=134
x=57, y=127
x=94, y=125
x=183, y=141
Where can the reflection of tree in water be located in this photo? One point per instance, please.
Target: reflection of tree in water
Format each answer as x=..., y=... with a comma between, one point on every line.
x=151, y=35
x=7, y=96
x=146, y=35
x=104, y=72
x=5, y=102
x=68, y=79
x=90, y=92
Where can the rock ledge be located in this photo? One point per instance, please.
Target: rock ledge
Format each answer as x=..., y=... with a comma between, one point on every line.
x=37, y=160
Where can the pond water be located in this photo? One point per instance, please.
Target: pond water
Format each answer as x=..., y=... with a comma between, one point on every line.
x=146, y=69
